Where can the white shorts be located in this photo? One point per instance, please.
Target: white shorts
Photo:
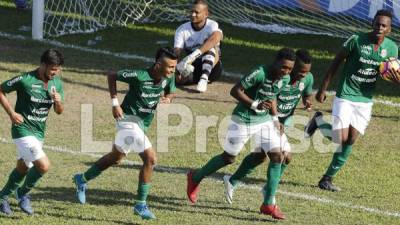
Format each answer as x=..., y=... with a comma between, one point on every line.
x=29, y=149
x=266, y=136
x=346, y=113
x=130, y=137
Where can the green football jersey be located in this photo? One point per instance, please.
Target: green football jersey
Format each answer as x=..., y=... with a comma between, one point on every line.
x=291, y=94
x=33, y=102
x=141, y=101
x=258, y=86
x=361, y=68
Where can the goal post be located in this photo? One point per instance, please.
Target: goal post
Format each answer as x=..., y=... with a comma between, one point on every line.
x=37, y=19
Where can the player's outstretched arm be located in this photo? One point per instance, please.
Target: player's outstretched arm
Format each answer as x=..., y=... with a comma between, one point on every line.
x=340, y=57
x=15, y=118
x=112, y=88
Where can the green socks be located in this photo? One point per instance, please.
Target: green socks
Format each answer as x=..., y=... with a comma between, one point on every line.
x=246, y=167
x=212, y=166
x=338, y=160
x=142, y=192
x=273, y=177
x=283, y=168
x=14, y=180
x=31, y=180
x=91, y=173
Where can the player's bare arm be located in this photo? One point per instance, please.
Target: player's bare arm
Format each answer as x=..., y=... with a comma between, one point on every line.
x=238, y=93
x=307, y=102
x=58, y=105
x=15, y=118
x=339, y=58
x=112, y=88
x=167, y=98
x=211, y=42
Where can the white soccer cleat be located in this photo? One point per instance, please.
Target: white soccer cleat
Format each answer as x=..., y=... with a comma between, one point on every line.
x=229, y=189
x=202, y=85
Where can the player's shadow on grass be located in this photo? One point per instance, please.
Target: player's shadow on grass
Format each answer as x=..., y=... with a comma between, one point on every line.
x=93, y=195
x=82, y=218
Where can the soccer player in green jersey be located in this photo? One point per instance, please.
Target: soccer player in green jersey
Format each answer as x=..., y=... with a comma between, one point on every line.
x=251, y=118
x=299, y=87
x=147, y=88
x=37, y=91
x=362, y=54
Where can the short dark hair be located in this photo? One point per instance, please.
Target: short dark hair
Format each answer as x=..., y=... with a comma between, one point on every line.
x=304, y=56
x=384, y=12
x=203, y=2
x=167, y=52
x=52, y=57
x=285, y=53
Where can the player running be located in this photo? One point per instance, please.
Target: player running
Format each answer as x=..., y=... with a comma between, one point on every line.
x=147, y=88
x=37, y=91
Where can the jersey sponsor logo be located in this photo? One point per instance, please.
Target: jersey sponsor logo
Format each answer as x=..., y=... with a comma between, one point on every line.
x=145, y=110
x=41, y=111
x=129, y=74
x=148, y=83
x=286, y=106
x=384, y=53
x=366, y=49
x=151, y=95
x=35, y=118
x=367, y=72
x=363, y=80
x=36, y=88
x=152, y=104
x=40, y=100
x=289, y=97
x=13, y=81
x=369, y=61
x=266, y=93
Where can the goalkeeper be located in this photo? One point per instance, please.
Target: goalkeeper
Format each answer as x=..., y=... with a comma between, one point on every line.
x=199, y=39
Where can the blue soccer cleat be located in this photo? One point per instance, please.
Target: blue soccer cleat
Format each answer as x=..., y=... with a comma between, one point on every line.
x=143, y=211
x=80, y=188
x=5, y=207
x=24, y=202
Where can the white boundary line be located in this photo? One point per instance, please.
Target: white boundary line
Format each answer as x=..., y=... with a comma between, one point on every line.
x=303, y=196
x=144, y=59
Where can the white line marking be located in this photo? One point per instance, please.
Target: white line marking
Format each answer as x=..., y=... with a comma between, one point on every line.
x=143, y=58
x=252, y=187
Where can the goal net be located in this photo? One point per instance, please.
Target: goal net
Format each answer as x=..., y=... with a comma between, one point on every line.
x=339, y=18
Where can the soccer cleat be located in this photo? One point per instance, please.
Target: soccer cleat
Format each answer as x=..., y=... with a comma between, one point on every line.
x=202, y=85
x=229, y=189
x=80, y=188
x=24, y=202
x=143, y=211
x=5, y=207
x=273, y=211
x=326, y=184
x=192, y=188
x=311, y=126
